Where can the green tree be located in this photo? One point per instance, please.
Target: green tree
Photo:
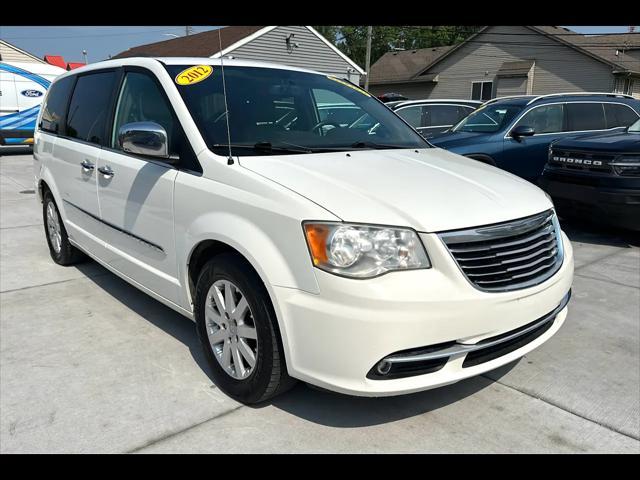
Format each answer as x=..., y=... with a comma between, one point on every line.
x=352, y=40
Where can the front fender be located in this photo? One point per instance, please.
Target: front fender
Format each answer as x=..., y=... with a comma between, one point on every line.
x=281, y=257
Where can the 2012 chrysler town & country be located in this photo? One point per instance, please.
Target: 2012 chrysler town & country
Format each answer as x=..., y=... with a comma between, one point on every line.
x=357, y=257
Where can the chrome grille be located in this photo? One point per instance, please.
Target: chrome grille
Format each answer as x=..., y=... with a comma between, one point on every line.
x=508, y=256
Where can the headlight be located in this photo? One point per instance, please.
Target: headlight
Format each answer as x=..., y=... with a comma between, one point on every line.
x=626, y=166
x=363, y=251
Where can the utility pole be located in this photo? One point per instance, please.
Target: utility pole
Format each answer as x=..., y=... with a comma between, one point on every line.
x=368, y=60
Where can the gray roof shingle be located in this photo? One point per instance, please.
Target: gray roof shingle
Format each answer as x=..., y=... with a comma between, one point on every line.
x=204, y=44
x=402, y=66
x=405, y=66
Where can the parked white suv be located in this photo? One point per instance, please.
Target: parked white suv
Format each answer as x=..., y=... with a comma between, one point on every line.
x=354, y=257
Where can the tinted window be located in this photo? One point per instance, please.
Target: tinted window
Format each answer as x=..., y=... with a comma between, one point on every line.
x=412, y=115
x=89, y=107
x=619, y=115
x=544, y=119
x=444, y=115
x=585, y=116
x=54, y=108
x=141, y=101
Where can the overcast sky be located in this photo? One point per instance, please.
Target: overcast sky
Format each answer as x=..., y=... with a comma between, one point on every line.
x=100, y=42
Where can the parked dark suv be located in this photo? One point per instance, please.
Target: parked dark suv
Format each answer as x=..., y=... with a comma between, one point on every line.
x=597, y=176
x=433, y=116
x=514, y=133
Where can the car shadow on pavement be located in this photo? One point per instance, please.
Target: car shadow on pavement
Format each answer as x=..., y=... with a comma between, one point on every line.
x=310, y=403
x=345, y=411
x=178, y=326
x=18, y=150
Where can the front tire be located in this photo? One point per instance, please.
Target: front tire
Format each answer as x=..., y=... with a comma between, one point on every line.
x=60, y=249
x=238, y=331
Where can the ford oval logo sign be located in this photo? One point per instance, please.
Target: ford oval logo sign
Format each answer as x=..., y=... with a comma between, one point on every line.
x=31, y=93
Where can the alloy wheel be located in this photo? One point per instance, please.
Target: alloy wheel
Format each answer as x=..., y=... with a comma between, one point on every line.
x=231, y=329
x=53, y=227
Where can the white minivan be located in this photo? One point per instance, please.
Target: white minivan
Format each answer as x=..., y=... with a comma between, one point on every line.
x=353, y=256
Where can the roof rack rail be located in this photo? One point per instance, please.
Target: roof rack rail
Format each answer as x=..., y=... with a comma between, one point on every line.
x=609, y=94
x=502, y=98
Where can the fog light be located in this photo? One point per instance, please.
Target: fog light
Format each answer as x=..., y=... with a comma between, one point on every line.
x=383, y=367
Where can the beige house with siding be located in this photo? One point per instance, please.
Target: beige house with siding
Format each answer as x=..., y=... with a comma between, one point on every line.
x=513, y=60
x=296, y=45
x=11, y=53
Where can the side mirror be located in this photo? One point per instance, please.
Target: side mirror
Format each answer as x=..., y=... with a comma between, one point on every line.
x=522, y=131
x=144, y=138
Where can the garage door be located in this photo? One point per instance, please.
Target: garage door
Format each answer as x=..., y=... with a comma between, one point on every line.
x=511, y=86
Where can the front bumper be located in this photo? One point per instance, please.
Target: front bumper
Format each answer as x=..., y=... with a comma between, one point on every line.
x=333, y=339
x=619, y=207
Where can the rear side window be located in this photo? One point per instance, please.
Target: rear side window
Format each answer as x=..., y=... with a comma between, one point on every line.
x=585, y=116
x=619, y=115
x=55, y=105
x=89, y=107
x=444, y=115
x=412, y=115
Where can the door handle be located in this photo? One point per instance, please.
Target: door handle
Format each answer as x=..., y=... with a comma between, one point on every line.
x=106, y=171
x=87, y=166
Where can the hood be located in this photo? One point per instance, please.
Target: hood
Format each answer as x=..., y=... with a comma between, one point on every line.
x=429, y=190
x=619, y=141
x=450, y=140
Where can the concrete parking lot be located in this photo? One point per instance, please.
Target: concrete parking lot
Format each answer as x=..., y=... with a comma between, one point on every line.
x=90, y=364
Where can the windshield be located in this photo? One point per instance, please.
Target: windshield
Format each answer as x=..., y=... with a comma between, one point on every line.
x=635, y=128
x=488, y=119
x=283, y=111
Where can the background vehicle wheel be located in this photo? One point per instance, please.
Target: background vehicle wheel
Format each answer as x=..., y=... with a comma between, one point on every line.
x=62, y=252
x=238, y=331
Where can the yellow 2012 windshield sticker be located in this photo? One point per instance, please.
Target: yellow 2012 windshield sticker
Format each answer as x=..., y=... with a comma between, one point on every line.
x=347, y=84
x=193, y=75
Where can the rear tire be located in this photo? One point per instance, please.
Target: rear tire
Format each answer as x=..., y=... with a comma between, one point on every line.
x=60, y=249
x=221, y=329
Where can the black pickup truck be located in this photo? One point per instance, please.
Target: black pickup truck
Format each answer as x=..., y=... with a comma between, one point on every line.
x=597, y=177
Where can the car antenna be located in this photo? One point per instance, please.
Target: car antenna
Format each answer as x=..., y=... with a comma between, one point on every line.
x=226, y=107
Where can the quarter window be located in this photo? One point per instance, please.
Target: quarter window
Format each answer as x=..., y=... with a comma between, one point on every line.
x=89, y=107
x=55, y=105
x=544, y=119
x=585, y=116
x=619, y=115
x=481, y=90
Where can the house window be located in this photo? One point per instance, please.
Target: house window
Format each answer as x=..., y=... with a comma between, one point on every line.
x=623, y=85
x=481, y=90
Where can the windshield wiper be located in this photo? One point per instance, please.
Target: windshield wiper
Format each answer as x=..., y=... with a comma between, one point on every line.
x=361, y=144
x=267, y=147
